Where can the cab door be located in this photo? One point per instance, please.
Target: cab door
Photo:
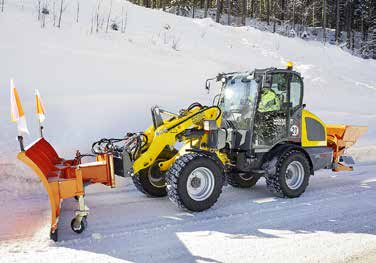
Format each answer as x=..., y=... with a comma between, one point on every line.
x=271, y=127
x=295, y=97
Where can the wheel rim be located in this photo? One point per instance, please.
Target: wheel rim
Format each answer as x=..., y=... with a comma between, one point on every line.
x=294, y=175
x=155, y=176
x=200, y=184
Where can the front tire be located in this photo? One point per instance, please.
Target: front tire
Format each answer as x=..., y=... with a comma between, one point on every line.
x=151, y=181
x=291, y=177
x=195, y=181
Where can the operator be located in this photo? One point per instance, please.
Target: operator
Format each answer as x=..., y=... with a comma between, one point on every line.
x=269, y=100
x=268, y=105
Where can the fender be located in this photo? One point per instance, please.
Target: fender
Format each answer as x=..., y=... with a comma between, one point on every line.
x=281, y=149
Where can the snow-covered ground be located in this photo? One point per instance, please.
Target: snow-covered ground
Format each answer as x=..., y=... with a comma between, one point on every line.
x=332, y=221
x=102, y=85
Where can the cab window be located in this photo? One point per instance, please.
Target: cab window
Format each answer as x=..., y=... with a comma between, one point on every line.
x=280, y=86
x=295, y=91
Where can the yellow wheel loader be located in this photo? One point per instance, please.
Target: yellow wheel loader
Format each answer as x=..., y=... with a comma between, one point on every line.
x=190, y=155
x=257, y=127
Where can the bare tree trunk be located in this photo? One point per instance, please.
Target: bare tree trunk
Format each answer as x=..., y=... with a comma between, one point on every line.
x=39, y=12
x=252, y=8
x=206, y=6
x=362, y=31
x=324, y=19
x=102, y=22
x=337, y=21
x=244, y=11
x=98, y=16
x=78, y=11
x=193, y=8
x=109, y=16
x=268, y=12
x=125, y=20
x=260, y=10
x=122, y=19
x=43, y=20
x=229, y=12
x=349, y=24
x=54, y=13
x=313, y=15
x=43, y=25
x=293, y=15
x=60, y=13
x=218, y=11
x=2, y=5
x=283, y=7
x=92, y=24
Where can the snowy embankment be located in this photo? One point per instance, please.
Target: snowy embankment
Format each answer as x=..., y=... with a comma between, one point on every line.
x=102, y=85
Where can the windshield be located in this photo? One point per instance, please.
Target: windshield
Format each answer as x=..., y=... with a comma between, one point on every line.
x=238, y=101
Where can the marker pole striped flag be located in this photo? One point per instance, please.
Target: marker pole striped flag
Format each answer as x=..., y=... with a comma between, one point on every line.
x=17, y=113
x=41, y=114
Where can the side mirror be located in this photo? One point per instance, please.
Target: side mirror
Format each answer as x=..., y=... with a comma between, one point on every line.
x=219, y=77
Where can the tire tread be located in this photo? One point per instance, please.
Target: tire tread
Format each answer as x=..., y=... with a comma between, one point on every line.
x=172, y=176
x=272, y=180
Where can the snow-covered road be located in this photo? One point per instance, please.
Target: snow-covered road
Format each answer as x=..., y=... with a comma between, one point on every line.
x=332, y=221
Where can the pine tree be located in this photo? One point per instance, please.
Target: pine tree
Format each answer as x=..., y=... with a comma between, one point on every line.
x=180, y=7
x=372, y=40
x=350, y=16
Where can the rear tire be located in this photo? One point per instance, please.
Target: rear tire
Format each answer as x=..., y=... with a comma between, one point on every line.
x=242, y=180
x=195, y=181
x=291, y=176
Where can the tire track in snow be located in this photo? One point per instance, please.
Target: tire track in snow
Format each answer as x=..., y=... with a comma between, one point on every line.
x=231, y=211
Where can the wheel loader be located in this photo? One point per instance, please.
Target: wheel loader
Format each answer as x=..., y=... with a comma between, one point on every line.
x=234, y=142
x=192, y=154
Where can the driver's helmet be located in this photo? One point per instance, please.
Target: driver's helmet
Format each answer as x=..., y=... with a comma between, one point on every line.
x=266, y=84
x=265, y=88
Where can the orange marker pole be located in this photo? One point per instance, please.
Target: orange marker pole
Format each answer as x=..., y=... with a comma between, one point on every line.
x=40, y=111
x=17, y=114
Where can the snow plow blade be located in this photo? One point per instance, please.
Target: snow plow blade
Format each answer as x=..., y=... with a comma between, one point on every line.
x=339, y=138
x=64, y=179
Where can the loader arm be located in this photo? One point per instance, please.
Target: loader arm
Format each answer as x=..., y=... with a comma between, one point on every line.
x=166, y=134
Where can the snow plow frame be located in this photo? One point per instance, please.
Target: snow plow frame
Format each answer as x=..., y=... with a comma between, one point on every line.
x=64, y=179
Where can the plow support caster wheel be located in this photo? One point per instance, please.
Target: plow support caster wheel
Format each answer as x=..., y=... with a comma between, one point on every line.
x=76, y=197
x=78, y=226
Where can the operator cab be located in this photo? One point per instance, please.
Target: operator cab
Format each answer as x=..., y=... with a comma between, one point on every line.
x=261, y=108
x=239, y=101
